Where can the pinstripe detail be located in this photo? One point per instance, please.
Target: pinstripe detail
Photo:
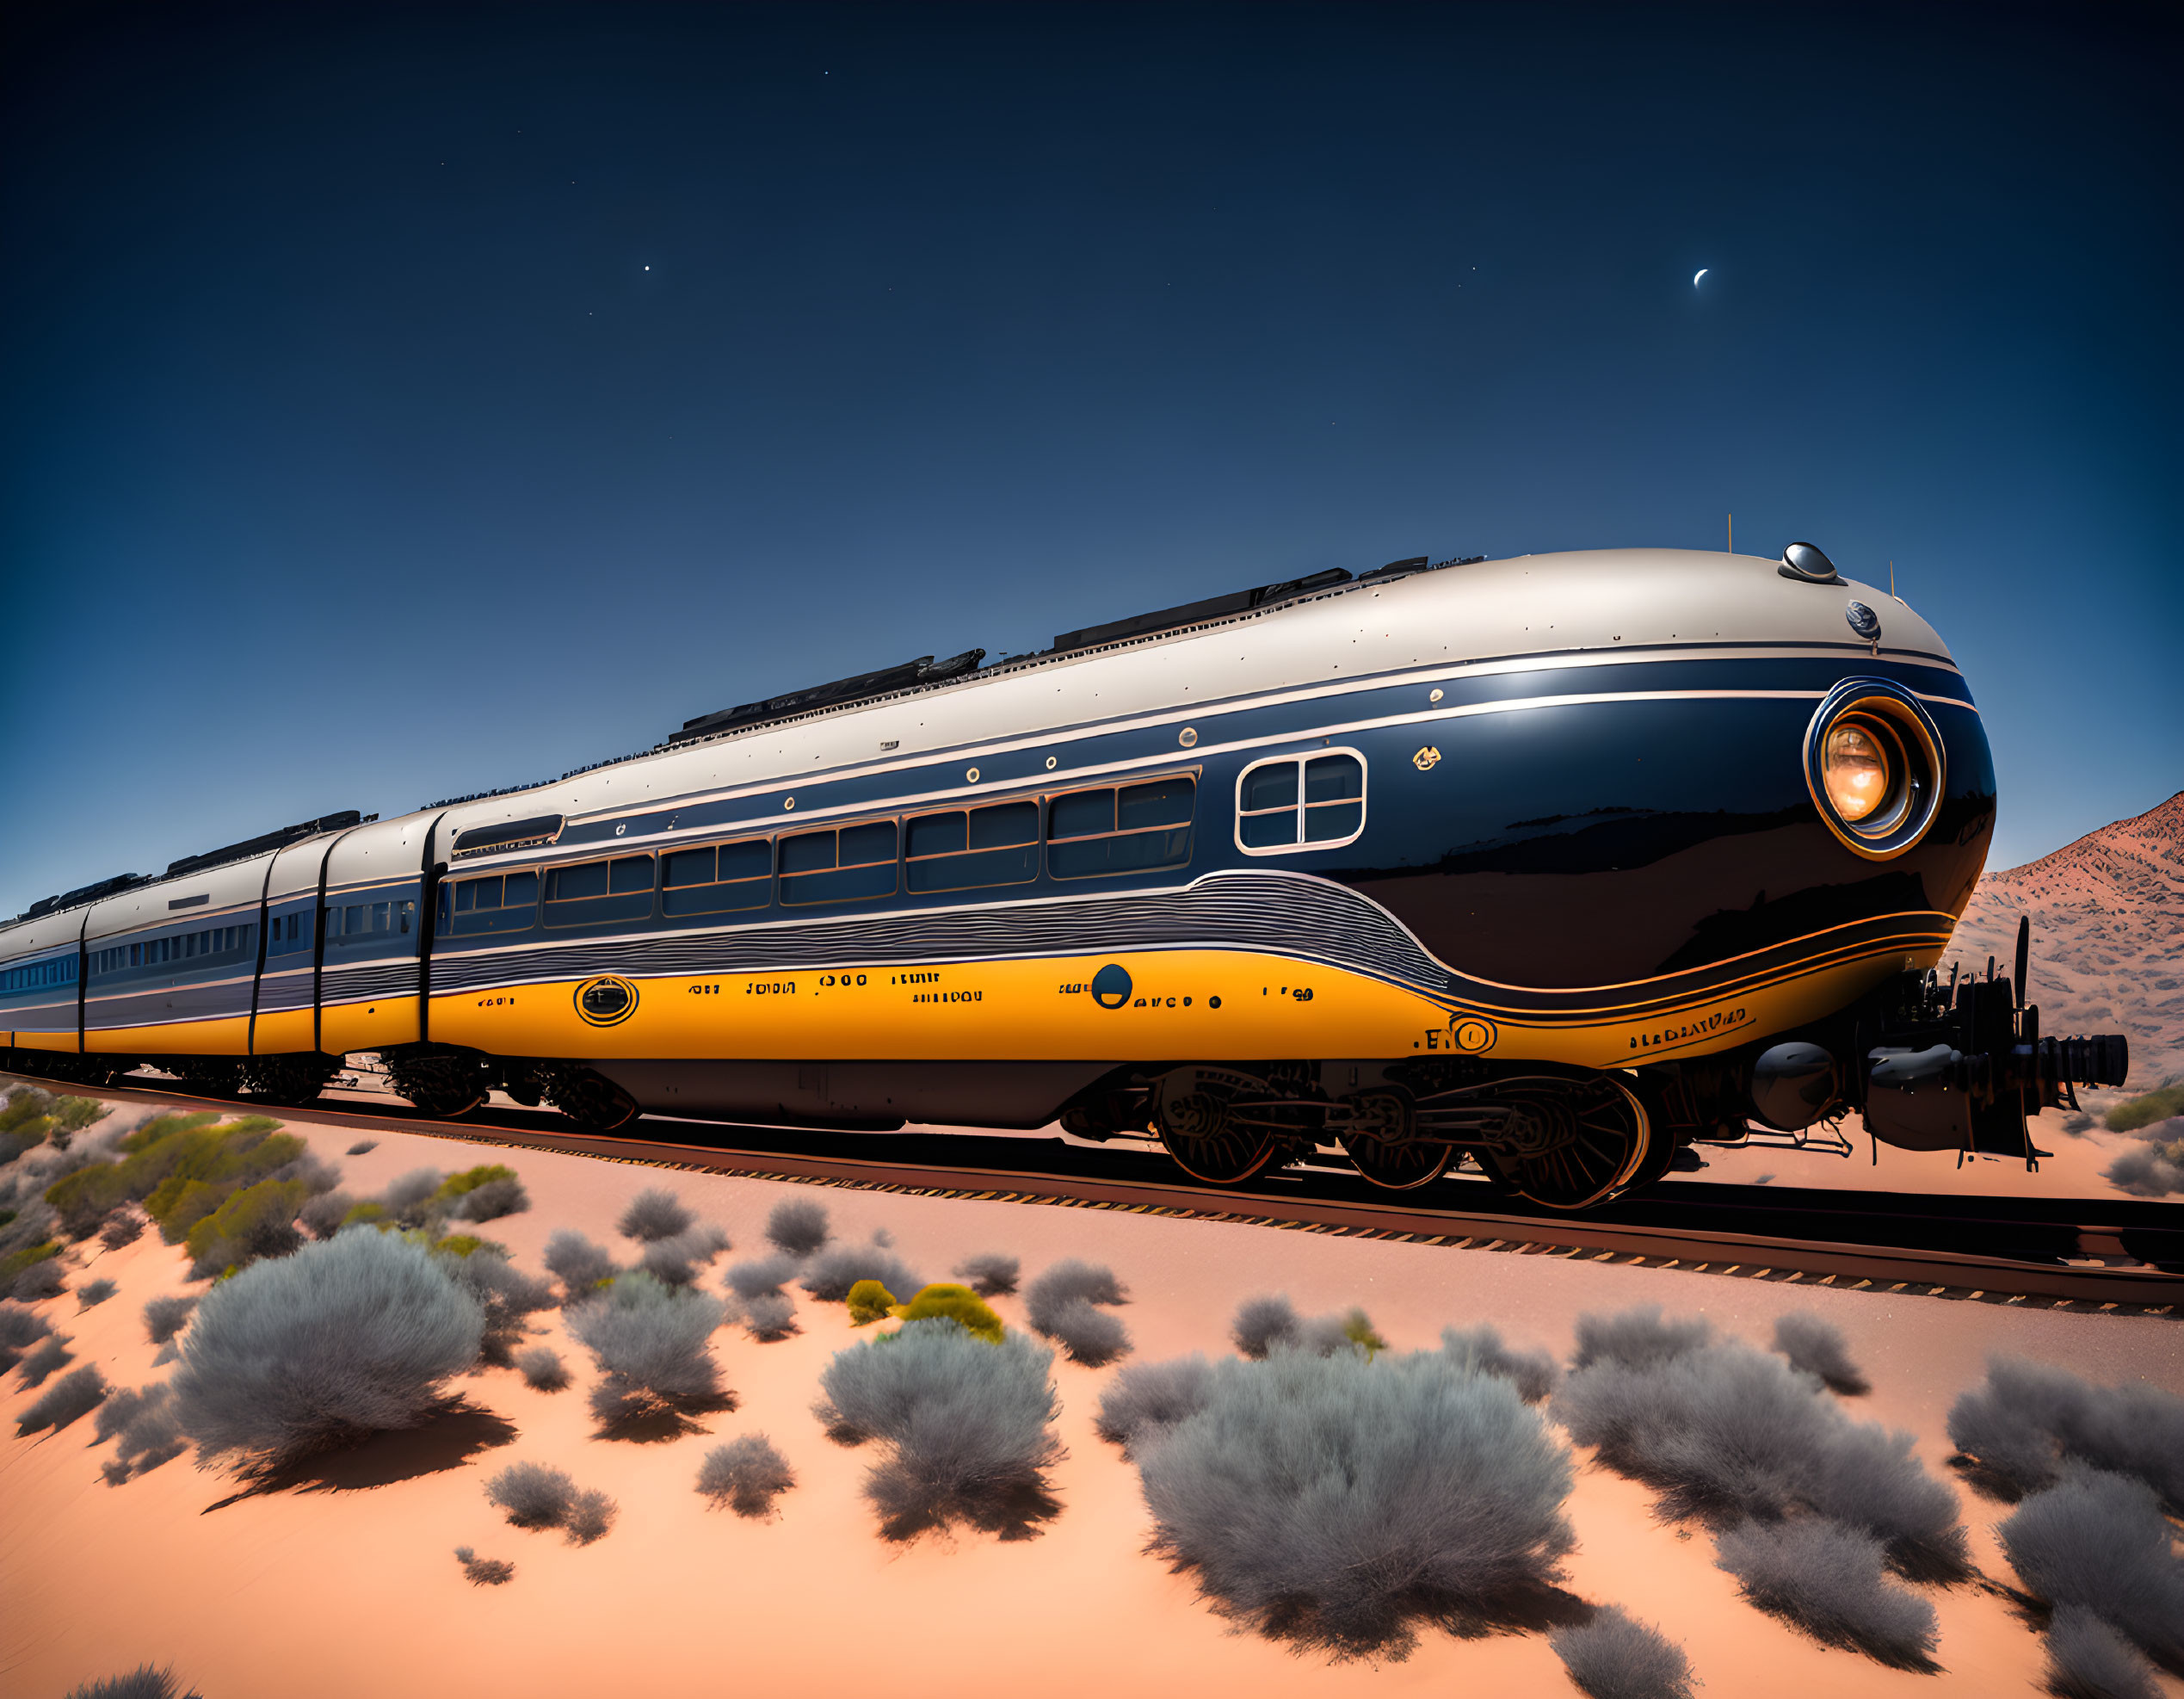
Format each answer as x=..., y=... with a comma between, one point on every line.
x=355, y=985
x=288, y=992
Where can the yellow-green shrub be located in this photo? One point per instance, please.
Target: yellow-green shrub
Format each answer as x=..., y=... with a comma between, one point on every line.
x=459, y=1186
x=2136, y=1112
x=869, y=1301
x=958, y=1304
x=246, y=1216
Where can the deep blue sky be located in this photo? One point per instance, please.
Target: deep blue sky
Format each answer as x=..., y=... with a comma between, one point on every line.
x=399, y=403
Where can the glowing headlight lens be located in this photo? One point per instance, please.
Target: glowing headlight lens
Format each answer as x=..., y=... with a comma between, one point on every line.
x=1855, y=771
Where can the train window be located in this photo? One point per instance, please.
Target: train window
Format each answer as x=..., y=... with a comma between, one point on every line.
x=592, y=891
x=852, y=864
x=966, y=847
x=287, y=932
x=718, y=878
x=1301, y=802
x=1093, y=834
x=498, y=903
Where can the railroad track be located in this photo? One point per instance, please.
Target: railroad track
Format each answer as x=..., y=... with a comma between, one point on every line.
x=2099, y=1254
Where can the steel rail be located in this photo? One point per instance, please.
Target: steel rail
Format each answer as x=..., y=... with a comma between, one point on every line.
x=2114, y=1255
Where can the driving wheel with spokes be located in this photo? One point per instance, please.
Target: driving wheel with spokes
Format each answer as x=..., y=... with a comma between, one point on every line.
x=1570, y=1143
x=1196, y=1115
x=1380, y=1144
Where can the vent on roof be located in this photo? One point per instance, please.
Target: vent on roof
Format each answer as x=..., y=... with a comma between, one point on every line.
x=507, y=835
x=260, y=844
x=923, y=670
x=1197, y=613
x=84, y=893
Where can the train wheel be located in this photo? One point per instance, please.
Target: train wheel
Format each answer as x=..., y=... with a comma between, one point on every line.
x=440, y=1084
x=1191, y=1115
x=1379, y=1146
x=1573, y=1144
x=594, y=1101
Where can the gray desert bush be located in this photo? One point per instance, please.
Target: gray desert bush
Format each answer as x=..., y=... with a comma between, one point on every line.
x=1332, y=1502
x=1532, y=1373
x=169, y=1352
x=831, y=1273
x=1725, y=1432
x=364, y=1147
x=351, y=1337
x=1263, y=1323
x=2099, y=1542
x=164, y=1318
x=2154, y=1172
x=1615, y=1656
x=746, y=1475
x=483, y=1571
x=770, y=1316
x=75, y=1395
x=1149, y=1398
x=968, y=1427
x=95, y=1292
x=676, y=1261
x=2088, y=1660
x=762, y=1275
x=1829, y=1580
x=1060, y=1303
x=322, y=1216
x=655, y=1213
x=19, y=1329
x=797, y=1227
x=580, y=1266
x=123, y=1227
x=2028, y=1421
x=492, y=1200
x=533, y=1495
x=143, y=1424
x=989, y=1274
x=1818, y=1347
x=405, y=1197
x=504, y=1293
x=592, y=1513
x=48, y=1360
x=650, y=1342
x=42, y=1280
x=542, y=1368
x=145, y=1681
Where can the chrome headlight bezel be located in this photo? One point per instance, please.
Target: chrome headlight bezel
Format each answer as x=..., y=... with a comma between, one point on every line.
x=1909, y=741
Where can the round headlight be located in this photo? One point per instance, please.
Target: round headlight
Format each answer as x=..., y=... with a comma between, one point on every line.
x=1854, y=771
x=1874, y=762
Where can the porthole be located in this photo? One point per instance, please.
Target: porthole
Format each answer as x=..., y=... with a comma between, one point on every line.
x=1875, y=767
x=1050, y=764
x=969, y=775
x=1186, y=737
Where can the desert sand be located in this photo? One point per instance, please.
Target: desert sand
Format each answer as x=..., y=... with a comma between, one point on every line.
x=349, y=1587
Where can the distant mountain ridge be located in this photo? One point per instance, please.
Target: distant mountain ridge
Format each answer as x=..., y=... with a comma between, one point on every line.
x=2107, y=935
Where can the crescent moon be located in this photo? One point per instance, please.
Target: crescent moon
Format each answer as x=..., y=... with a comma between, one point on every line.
x=1699, y=274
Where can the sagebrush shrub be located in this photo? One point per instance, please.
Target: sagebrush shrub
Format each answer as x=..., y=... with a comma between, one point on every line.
x=76, y=1394
x=164, y=1318
x=958, y=1304
x=580, y=1266
x=1532, y=1373
x=1149, y=1397
x=968, y=1427
x=1725, y=1432
x=542, y=1368
x=533, y=1495
x=770, y=1316
x=148, y=1434
x=1614, y=1656
x=655, y=1213
x=746, y=1475
x=990, y=1275
x=123, y=1227
x=831, y=1273
x=145, y=1681
x=1060, y=1303
x=1263, y=1323
x=364, y=1147
x=37, y=1278
x=2099, y=1542
x=48, y=1360
x=344, y=1338
x=650, y=1344
x=493, y=1199
x=1829, y=1580
x=590, y=1515
x=797, y=1227
x=251, y=1223
x=2088, y=1660
x=323, y=1216
x=483, y=1571
x=675, y=1261
x=1333, y=1502
x=761, y=1274
x=2027, y=1421
x=504, y=1293
x=1818, y=1347
x=19, y=1329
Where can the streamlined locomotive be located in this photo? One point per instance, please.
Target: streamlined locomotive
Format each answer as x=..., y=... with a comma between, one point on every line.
x=1558, y=864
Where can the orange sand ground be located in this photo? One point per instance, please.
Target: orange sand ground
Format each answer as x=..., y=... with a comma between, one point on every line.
x=354, y=1590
